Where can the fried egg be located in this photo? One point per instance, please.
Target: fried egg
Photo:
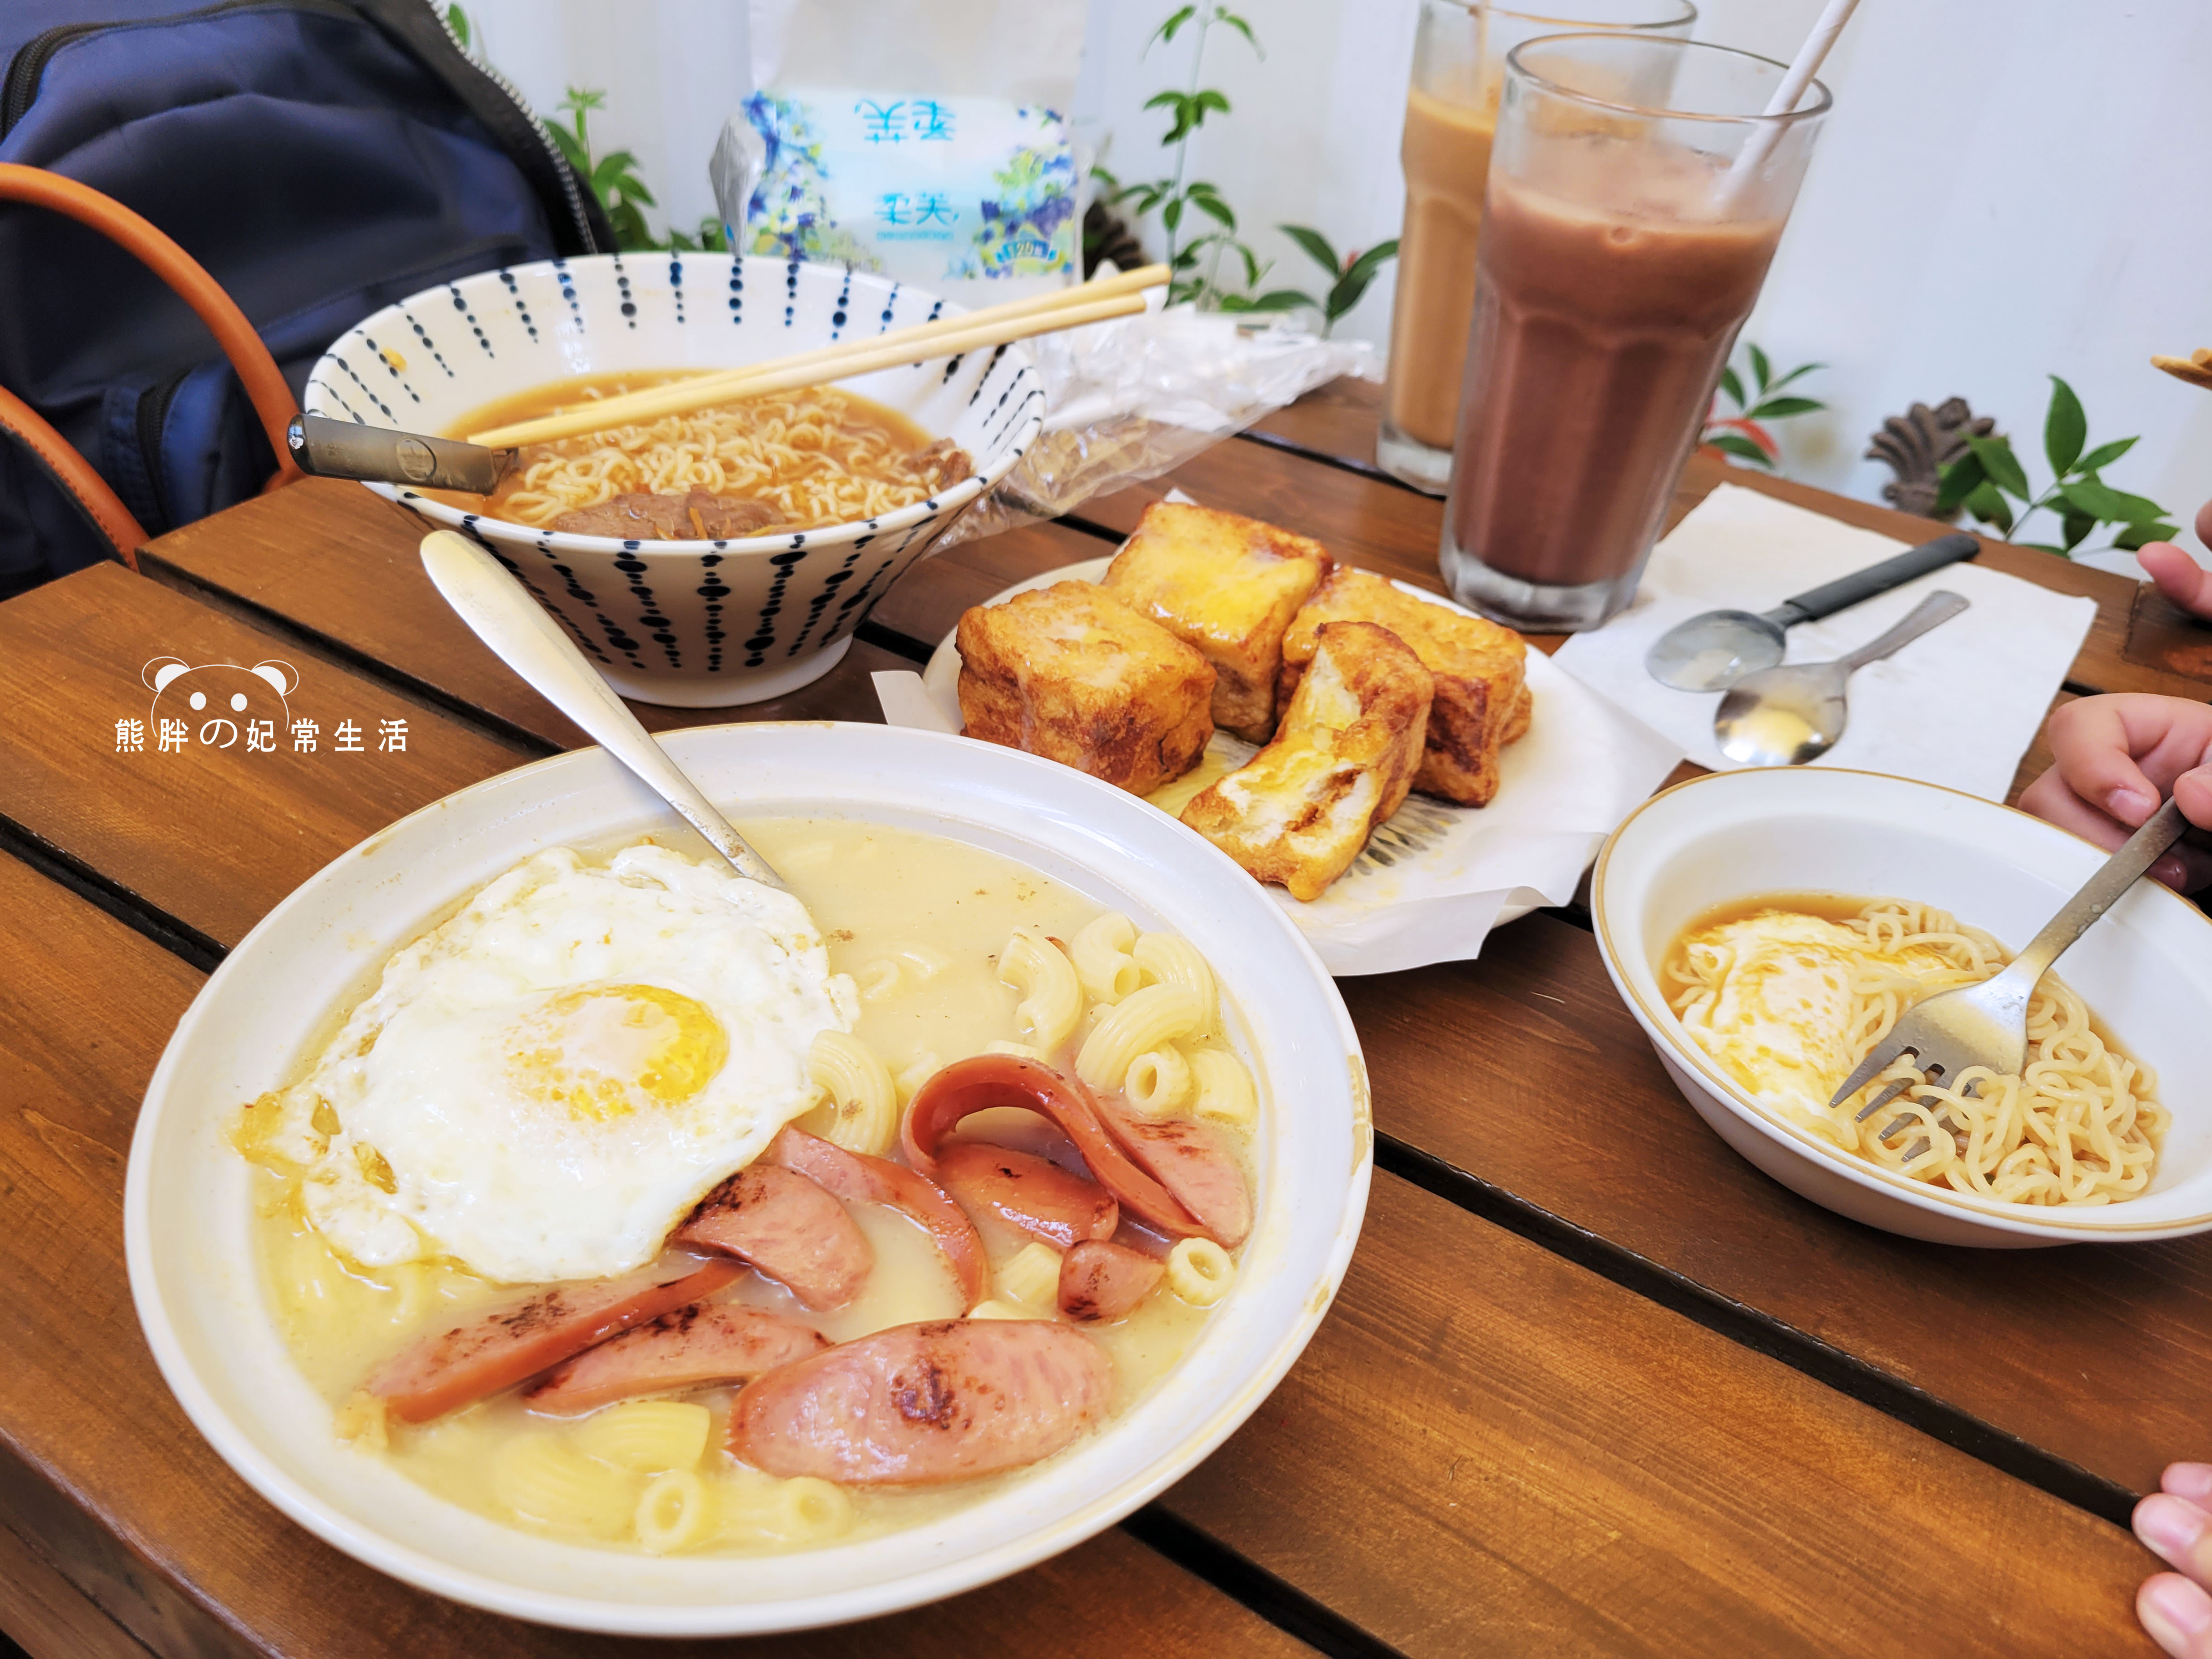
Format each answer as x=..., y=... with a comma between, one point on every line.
x=1780, y=1021
x=544, y=1084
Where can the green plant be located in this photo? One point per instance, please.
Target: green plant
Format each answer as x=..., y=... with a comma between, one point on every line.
x=1349, y=277
x=614, y=179
x=1987, y=479
x=1742, y=433
x=1177, y=196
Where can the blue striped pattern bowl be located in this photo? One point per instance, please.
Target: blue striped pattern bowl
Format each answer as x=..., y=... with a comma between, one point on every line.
x=696, y=624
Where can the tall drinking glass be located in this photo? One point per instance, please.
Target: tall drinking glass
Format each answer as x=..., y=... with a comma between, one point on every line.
x=1451, y=112
x=1636, y=196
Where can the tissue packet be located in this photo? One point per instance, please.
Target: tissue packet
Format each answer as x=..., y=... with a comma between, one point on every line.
x=934, y=191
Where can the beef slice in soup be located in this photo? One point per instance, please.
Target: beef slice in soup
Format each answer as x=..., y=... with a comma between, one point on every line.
x=942, y=464
x=695, y=516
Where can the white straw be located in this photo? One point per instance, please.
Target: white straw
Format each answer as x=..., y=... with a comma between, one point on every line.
x=1794, y=79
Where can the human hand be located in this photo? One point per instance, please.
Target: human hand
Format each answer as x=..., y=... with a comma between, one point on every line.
x=2176, y=574
x=2175, y=1523
x=2117, y=757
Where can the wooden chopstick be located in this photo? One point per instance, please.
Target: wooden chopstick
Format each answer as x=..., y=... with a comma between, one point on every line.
x=1119, y=295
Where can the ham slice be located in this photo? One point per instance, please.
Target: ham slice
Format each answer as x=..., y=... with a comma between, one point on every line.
x=977, y=1085
x=788, y=1227
x=920, y=1405
x=513, y=1343
x=693, y=1347
x=858, y=1178
x=1031, y=1193
x=1100, y=1280
x=1191, y=1163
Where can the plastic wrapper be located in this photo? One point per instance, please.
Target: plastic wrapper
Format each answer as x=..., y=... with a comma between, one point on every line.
x=1137, y=397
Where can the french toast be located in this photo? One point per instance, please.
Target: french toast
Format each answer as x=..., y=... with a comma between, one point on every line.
x=1482, y=700
x=1229, y=586
x=1072, y=673
x=1299, y=811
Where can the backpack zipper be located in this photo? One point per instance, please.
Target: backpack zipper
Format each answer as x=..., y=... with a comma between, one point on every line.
x=153, y=415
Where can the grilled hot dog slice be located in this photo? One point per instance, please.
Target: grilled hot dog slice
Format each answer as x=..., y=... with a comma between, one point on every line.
x=1099, y=1280
x=693, y=1347
x=513, y=1343
x=858, y=1178
x=918, y=1405
x=786, y=1226
x=1032, y=1194
x=1191, y=1163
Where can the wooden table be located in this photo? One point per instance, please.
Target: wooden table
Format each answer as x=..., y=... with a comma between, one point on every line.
x=1593, y=1385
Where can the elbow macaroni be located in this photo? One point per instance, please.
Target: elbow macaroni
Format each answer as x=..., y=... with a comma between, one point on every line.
x=1200, y=1271
x=1223, y=1087
x=864, y=1102
x=1031, y=1277
x=1152, y=1018
x=675, y=1513
x=1172, y=961
x=1158, y=1083
x=648, y=1435
x=1052, y=997
x=1102, y=958
x=541, y=1479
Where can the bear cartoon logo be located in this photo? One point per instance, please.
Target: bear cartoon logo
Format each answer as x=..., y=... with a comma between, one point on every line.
x=216, y=695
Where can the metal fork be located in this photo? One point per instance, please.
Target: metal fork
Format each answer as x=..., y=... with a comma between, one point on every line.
x=1986, y=1024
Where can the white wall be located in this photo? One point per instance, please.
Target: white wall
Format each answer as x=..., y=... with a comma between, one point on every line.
x=2008, y=188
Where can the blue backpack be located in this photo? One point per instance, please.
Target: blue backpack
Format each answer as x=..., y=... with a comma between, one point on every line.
x=320, y=158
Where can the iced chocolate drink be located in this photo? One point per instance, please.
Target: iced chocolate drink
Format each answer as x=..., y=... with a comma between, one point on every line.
x=1620, y=253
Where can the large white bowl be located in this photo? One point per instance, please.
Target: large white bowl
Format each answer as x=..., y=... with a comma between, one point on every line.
x=697, y=624
x=205, y=1315
x=2145, y=969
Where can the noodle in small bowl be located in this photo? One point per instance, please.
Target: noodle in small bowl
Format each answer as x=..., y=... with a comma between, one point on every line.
x=815, y=501
x=1894, y=889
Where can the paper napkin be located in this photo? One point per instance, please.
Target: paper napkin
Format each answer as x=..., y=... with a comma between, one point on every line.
x=1958, y=706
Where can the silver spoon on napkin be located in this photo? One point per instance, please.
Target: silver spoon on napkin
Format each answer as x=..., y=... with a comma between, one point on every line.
x=1787, y=716
x=528, y=640
x=1713, y=650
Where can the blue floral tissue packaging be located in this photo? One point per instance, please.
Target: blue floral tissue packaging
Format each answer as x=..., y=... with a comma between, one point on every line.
x=926, y=143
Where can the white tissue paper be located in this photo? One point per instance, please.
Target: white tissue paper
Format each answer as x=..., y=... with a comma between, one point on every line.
x=1958, y=706
x=1436, y=878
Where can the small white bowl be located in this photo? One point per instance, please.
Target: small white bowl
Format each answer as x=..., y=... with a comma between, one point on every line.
x=2145, y=969
x=696, y=625
x=187, y=1208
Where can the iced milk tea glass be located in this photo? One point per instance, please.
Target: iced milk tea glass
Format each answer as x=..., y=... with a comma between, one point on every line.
x=1451, y=113
x=1636, y=196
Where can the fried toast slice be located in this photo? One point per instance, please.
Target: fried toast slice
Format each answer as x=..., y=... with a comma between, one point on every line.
x=1229, y=586
x=1072, y=673
x=1482, y=700
x=1299, y=811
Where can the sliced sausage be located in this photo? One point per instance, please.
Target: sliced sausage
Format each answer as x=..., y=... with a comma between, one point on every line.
x=1099, y=1280
x=1032, y=1194
x=513, y=1343
x=786, y=1226
x=693, y=1347
x=983, y=1081
x=921, y=1404
x=858, y=1178
x=1192, y=1164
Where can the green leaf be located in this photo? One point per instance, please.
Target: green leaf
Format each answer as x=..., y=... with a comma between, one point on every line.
x=2000, y=466
x=1355, y=281
x=2138, y=509
x=2065, y=429
x=1736, y=444
x=2112, y=506
x=1960, y=480
x=1732, y=384
x=1988, y=506
x=1761, y=370
x=1316, y=244
x=2104, y=455
x=572, y=152
x=1166, y=32
x=1230, y=19
x=1801, y=369
x=1775, y=407
x=1106, y=176
x=2142, y=535
x=1281, y=299
x=1171, y=214
x=1187, y=256
x=457, y=20
x=1207, y=98
x=1213, y=206
x=2077, y=526
x=1252, y=269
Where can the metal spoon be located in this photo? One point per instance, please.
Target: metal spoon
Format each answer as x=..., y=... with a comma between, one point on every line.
x=348, y=449
x=1714, y=649
x=1786, y=716
x=528, y=640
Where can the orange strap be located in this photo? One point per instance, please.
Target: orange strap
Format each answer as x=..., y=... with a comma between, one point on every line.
x=257, y=370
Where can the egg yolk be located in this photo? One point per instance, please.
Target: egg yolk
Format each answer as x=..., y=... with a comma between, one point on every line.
x=604, y=1051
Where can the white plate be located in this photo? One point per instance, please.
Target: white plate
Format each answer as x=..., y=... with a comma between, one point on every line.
x=1433, y=881
x=186, y=1210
